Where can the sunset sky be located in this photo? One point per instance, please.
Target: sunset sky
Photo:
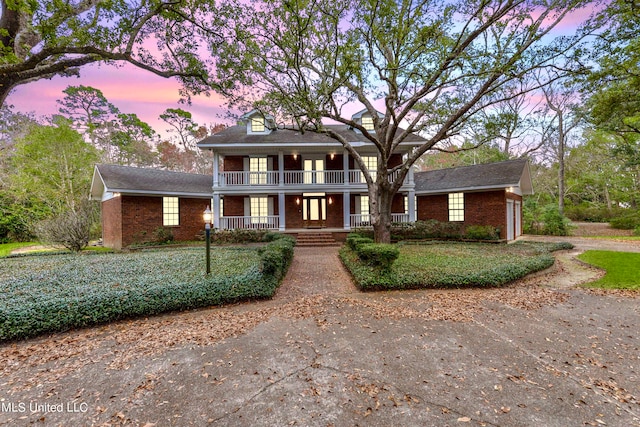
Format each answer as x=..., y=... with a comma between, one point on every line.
x=136, y=91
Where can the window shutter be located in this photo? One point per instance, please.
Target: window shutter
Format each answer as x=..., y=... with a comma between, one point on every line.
x=247, y=206
x=270, y=206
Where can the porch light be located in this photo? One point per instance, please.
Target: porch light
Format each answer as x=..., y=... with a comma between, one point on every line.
x=332, y=156
x=330, y=200
x=297, y=200
x=295, y=157
x=208, y=217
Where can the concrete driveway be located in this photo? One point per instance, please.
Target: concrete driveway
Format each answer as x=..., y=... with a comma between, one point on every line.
x=538, y=352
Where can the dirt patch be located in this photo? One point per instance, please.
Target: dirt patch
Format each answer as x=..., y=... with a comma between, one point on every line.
x=591, y=229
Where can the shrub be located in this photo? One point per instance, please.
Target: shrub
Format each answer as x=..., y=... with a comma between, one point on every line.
x=276, y=256
x=237, y=236
x=627, y=221
x=355, y=240
x=555, y=224
x=636, y=231
x=438, y=265
x=482, y=232
x=163, y=235
x=380, y=255
x=71, y=228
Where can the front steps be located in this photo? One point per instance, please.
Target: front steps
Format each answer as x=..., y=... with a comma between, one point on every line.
x=316, y=239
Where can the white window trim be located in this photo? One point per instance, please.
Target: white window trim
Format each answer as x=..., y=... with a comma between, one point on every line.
x=170, y=211
x=455, y=207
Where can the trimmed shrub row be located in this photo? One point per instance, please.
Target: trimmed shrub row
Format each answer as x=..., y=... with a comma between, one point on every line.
x=58, y=293
x=378, y=255
x=434, y=229
x=451, y=265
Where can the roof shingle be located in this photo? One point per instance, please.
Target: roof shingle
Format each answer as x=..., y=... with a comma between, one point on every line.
x=491, y=175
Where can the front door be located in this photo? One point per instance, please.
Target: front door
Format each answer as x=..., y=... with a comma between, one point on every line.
x=314, y=210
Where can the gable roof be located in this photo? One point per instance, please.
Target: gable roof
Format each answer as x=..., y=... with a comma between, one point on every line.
x=144, y=181
x=511, y=173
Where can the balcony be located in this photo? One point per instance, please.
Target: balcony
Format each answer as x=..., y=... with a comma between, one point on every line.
x=320, y=178
x=270, y=222
x=364, y=220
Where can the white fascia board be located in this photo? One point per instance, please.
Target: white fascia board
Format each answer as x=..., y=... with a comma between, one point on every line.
x=98, y=187
x=127, y=192
x=467, y=189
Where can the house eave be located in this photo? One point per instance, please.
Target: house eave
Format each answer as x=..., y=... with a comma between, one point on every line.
x=156, y=193
x=470, y=189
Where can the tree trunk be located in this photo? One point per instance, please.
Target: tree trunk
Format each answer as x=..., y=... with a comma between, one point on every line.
x=380, y=199
x=561, y=144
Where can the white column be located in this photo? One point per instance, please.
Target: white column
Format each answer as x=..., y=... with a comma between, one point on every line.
x=281, y=168
x=216, y=169
x=216, y=210
x=346, y=210
x=345, y=166
x=281, y=208
x=411, y=198
x=410, y=176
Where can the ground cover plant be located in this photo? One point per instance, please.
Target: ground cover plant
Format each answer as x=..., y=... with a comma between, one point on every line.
x=452, y=264
x=50, y=293
x=621, y=267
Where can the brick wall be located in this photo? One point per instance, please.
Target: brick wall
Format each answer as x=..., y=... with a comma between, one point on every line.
x=233, y=164
x=292, y=211
x=142, y=216
x=112, y=223
x=482, y=208
x=233, y=206
x=335, y=211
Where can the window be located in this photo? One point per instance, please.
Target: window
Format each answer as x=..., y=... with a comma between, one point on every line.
x=258, y=170
x=170, y=211
x=313, y=171
x=456, y=207
x=259, y=209
x=364, y=209
x=257, y=124
x=371, y=163
x=221, y=206
x=367, y=123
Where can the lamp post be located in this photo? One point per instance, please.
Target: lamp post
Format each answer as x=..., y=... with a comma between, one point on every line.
x=207, y=216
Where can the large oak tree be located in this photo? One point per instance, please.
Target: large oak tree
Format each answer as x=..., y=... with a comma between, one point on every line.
x=431, y=66
x=46, y=38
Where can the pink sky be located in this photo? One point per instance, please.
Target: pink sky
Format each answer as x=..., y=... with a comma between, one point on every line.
x=133, y=90
x=130, y=89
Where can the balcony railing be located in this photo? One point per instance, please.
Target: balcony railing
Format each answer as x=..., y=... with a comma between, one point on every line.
x=364, y=220
x=248, y=178
x=315, y=178
x=270, y=222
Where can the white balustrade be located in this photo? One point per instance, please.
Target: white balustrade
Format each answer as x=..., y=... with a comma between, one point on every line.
x=270, y=222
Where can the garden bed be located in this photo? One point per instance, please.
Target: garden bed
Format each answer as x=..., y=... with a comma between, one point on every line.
x=452, y=265
x=48, y=293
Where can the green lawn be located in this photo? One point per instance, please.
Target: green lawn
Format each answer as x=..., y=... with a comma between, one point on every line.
x=6, y=248
x=623, y=268
x=450, y=264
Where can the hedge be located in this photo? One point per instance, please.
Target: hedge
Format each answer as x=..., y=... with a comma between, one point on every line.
x=57, y=293
x=452, y=265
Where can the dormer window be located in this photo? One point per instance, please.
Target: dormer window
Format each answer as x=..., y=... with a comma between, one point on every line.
x=257, y=124
x=367, y=123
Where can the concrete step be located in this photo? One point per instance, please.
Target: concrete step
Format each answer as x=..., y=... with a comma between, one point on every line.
x=315, y=239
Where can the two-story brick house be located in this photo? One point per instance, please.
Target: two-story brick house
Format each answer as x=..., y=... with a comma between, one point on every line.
x=289, y=181
x=284, y=179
